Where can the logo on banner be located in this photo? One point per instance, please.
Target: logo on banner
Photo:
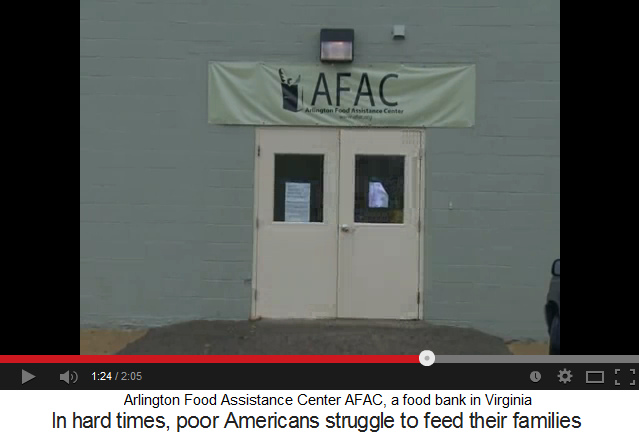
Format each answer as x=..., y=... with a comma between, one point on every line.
x=293, y=96
x=292, y=93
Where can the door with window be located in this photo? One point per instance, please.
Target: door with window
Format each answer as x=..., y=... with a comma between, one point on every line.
x=338, y=223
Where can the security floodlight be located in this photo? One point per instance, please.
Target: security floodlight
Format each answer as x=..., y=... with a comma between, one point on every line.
x=336, y=45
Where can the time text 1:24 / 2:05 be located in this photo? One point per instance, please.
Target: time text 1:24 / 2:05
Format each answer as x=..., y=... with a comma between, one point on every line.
x=117, y=376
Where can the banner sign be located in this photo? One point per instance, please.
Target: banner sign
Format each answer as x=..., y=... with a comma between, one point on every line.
x=388, y=95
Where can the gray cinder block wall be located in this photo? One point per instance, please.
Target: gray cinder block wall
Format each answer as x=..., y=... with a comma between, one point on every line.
x=166, y=199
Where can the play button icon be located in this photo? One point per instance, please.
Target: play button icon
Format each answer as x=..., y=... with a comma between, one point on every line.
x=26, y=376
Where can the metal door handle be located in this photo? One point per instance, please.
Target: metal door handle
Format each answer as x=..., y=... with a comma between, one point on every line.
x=346, y=228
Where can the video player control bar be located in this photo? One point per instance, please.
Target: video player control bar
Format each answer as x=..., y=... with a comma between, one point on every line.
x=438, y=376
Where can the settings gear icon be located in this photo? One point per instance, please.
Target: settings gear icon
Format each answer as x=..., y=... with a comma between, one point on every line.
x=564, y=376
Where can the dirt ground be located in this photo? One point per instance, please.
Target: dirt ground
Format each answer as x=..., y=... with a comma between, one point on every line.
x=299, y=337
x=107, y=341
x=528, y=347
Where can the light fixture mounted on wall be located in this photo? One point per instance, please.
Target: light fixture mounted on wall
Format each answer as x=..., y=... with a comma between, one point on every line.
x=336, y=45
x=399, y=32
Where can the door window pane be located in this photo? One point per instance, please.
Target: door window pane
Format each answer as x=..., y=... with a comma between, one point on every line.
x=379, y=189
x=299, y=186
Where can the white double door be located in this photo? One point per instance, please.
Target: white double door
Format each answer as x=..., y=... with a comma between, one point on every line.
x=338, y=223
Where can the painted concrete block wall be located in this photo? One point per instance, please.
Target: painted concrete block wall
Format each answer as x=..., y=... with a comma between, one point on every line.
x=166, y=199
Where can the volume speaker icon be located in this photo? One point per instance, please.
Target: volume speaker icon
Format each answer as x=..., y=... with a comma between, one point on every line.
x=71, y=377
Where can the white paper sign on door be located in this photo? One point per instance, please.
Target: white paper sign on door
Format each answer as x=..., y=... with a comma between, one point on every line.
x=297, y=207
x=377, y=195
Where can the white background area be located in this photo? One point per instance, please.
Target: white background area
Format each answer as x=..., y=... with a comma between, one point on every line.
x=29, y=413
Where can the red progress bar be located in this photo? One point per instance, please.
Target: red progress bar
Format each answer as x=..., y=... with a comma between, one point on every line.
x=209, y=359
